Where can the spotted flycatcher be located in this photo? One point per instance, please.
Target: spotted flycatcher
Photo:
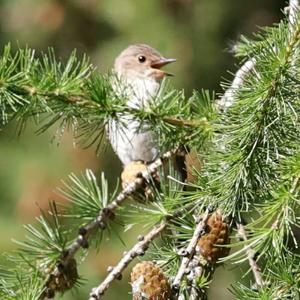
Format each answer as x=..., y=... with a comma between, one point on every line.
x=138, y=78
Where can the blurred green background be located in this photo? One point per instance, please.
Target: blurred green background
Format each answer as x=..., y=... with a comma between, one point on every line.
x=199, y=33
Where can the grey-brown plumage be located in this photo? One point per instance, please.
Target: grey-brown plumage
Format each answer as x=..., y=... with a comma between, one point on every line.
x=138, y=77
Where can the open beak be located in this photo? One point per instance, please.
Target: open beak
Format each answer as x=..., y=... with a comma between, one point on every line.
x=162, y=62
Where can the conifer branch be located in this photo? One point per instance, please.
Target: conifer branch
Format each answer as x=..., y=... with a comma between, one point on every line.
x=74, y=95
x=293, y=9
x=251, y=257
x=259, y=131
x=189, y=252
x=187, y=123
x=295, y=184
x=259, y=122
x=137, y=250
x=196, y=270
x=107, y=213
x=229, y=96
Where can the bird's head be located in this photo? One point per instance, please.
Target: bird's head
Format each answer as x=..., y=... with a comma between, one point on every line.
x=141, y=61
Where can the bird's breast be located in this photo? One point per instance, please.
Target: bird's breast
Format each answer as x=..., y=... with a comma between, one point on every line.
x=141, y=92
x=131, y=139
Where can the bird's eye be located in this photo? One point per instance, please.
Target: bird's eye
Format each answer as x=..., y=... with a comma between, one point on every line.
x=142, y=58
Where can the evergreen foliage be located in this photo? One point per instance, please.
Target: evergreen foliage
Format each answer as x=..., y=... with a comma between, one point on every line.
x=250, y=156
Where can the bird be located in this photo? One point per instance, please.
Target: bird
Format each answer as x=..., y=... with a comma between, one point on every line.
x=138, y=77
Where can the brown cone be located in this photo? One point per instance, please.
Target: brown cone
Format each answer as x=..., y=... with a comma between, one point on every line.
x=217, y=234
x=148, y=282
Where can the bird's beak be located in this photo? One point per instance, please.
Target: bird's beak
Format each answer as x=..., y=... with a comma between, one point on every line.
x=162, y=62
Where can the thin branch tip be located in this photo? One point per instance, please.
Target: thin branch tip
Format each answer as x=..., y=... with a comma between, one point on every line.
x=256, y=270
